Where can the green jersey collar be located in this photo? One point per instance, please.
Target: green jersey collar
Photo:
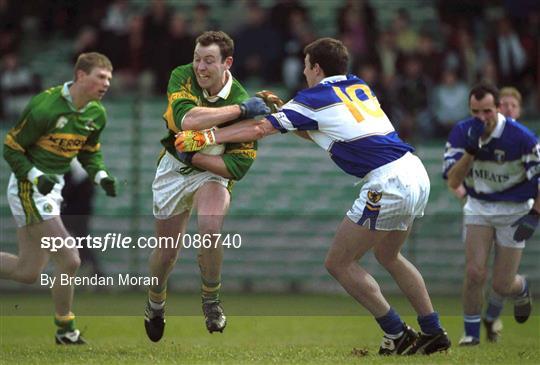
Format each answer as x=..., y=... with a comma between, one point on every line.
x=223, y=93
x=69, y=99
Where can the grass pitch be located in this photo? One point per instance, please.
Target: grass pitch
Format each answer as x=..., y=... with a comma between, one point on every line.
x=272, y=332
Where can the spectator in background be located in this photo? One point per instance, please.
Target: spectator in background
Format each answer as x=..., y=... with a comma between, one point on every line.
x=453, y=12
x=281, y=13
x=116, y=18
x=508, y=53
x=530, y=85
x=17, y=85
x=450, y=103
x=387, y=53
x=257, y=47
x=412, y=90
x=114, y=31
x=488, y=73
x=156, y=27
x=463, y=56
x=406, y=36
x=10, y=26
x=86, y=41
x=510, y=102
x=363, y=13
x=291, y=51
x=132, y=56
x=301, y=34
x=180, y=42
x=201, y=20
x=429, y=56
x=357, y=28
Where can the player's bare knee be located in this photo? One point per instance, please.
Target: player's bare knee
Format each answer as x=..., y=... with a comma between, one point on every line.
x=476, y=275
x=167, y=257
x=71, y=264
x=502, y=287
x=333, y=266
x=386, y=259
x=210, y=230
x=28, y=276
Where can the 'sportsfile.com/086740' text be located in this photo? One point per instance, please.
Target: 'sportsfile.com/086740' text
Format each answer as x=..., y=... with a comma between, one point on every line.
x=118, y=240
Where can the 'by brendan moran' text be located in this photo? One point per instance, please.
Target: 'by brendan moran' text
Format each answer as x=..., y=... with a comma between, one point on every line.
x=95, y=280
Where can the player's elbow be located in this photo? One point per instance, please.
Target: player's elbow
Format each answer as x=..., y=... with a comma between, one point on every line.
x=452, y=180
x=453, y=183
x=189, y=123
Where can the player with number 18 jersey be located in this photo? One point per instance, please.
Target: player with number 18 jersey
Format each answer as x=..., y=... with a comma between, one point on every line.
x=342, y=115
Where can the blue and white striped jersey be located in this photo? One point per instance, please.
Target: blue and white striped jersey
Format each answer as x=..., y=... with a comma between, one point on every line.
x=506, y=168
x=342, y=115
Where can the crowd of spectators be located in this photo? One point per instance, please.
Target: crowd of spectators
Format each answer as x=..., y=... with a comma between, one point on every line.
x=420, y=73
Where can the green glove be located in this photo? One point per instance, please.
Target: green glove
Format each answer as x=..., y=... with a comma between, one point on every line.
x=109, y=185
x=45, y=183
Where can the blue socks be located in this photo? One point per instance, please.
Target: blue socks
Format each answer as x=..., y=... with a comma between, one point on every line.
x=430, y=324
x=495, y=307
x=472, y=325
x=391, y=323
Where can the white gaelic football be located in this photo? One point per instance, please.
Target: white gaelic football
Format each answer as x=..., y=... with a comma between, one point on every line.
x=215, y=150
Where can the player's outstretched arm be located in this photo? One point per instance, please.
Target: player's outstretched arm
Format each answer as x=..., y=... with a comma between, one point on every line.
x=244, y=131
x=200, y=118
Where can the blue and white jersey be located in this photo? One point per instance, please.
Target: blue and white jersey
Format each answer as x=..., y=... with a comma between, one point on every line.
x=507, y=166
x=342, y=115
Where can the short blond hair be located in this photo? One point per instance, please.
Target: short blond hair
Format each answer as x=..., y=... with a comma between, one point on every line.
x=88, y=61
x=511, y=91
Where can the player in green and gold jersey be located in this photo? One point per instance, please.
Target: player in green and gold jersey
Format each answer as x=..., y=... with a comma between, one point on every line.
x=59, y=124
x=201, y=95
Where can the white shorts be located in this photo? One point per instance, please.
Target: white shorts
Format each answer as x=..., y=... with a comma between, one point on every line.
x=173, y=192
x=392, y=196
x=29, y=206
x=498, y=215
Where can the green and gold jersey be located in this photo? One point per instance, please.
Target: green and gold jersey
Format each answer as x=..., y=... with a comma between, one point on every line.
x=51, y=132
x=184, y=93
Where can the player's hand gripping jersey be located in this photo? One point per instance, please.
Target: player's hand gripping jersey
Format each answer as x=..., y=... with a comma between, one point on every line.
x=505, y=168
x=51, y=132
x=342, y=115
x=184, y=94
